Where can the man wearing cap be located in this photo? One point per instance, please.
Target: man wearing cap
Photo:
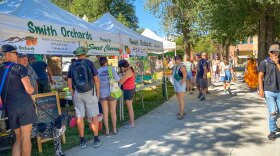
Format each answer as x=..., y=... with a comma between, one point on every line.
x=23, y=60
x=201, y=77
x=17, y=100
x=44, y=74
x=84, y=86
x=269, y=87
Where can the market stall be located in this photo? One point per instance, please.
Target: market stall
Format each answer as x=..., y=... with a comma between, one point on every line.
x=137, y=46
x=40, y=27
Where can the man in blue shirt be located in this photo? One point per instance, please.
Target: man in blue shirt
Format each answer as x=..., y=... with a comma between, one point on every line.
x=201, y=77
x=44, y=74
x=269, y=87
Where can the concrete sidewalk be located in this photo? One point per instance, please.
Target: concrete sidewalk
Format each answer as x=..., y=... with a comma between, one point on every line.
x=222, y=125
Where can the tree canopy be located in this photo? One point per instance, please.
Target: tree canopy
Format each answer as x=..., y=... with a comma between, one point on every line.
x=123, y=10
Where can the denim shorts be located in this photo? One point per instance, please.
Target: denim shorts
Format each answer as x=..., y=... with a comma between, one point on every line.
x=109, y=98
x=128, y=94
x=189, y=76
x=178, y=87
x=227, y=77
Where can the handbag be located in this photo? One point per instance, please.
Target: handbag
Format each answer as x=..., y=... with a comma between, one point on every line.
x=3, y=113
x=176, y=75
x=115, y=90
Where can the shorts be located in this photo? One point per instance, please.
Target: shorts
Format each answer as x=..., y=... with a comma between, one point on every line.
x=178, y=87
x=86, y=104
x=128, y=94
x=21, y=116
x=189, y=76
x=227, y=77
x=201, y=83
x=109, y=98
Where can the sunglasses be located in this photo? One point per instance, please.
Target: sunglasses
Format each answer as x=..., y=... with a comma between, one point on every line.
x=274, y=52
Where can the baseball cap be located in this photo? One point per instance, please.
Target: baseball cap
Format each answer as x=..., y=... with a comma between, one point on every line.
x=80, y=51
x=274, y=47
x=22, y=55
x=8, y=48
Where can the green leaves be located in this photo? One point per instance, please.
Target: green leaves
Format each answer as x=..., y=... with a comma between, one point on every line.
x=123, y=10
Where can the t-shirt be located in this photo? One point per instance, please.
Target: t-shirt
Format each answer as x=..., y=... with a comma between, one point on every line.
x=17, y=97
x=272, y=78
x=188, y=66
x=40, y=69
x=90, y=64
x=200, y=68
x=32, y=76
x=104, y=79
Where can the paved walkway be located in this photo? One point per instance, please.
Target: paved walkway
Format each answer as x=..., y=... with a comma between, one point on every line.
x=223, y=125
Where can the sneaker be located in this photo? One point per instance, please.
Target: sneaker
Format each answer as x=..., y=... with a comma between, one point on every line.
x=202, y=99
x=128, y=126
x=199, y=96
x=272, y=136
x=229, y=91
x=83, y=145
x=96, y=143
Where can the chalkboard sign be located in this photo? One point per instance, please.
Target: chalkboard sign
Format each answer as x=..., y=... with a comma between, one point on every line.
x=50, y=103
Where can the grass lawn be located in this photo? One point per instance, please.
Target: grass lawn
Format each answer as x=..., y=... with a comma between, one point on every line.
x=72, y=137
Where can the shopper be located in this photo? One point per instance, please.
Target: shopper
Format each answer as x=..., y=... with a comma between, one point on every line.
x=208, y=75
x=215, y=69
x=128, y=84
x=180, y=76
x=189, y=67
x=201, y=77
x=44, y=74
x=16, y=97
x=226, y=73
x=251, y=74
x=83, y=83
x=23, y=60
x=107, y=102
x=269, y=87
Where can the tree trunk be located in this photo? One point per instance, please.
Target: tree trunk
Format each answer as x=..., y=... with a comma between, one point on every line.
x=266, y=35
x=55, y=64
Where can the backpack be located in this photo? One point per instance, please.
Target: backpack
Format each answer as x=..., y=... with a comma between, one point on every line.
x=82, y=76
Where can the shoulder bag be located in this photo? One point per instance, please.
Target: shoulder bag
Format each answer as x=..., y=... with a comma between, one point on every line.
x=3, y=113
x=115, y=90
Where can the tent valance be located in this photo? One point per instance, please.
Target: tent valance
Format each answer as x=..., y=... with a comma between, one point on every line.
x=130, y=39
x=40, y=27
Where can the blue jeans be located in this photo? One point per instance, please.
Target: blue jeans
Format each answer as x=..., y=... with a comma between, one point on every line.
x=273, y=105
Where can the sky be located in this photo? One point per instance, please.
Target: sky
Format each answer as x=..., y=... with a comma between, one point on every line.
x=146, y=19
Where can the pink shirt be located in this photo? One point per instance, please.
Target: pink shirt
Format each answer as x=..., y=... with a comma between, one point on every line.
x=129, y=83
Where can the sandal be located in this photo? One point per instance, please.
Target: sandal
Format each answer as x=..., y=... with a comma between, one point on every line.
x=180, y=117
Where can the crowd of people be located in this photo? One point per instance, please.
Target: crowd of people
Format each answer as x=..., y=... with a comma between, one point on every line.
x=22, y=76
x=199, y=71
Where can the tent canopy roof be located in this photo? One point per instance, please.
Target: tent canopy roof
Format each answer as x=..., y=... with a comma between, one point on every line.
x=167, y=45
x=109, y=23
x=44, y=11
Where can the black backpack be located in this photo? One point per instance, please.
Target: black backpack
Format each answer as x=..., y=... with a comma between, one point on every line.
x=82, y=76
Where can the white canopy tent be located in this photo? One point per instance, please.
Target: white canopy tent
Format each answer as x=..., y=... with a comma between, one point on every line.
x=167, y=45
x=39, y=26
x=128, y=38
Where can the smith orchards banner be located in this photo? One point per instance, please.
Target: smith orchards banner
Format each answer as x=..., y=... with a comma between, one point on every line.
x=33, y=37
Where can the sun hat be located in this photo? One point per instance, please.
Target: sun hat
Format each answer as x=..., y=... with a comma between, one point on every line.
x=80, y=51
